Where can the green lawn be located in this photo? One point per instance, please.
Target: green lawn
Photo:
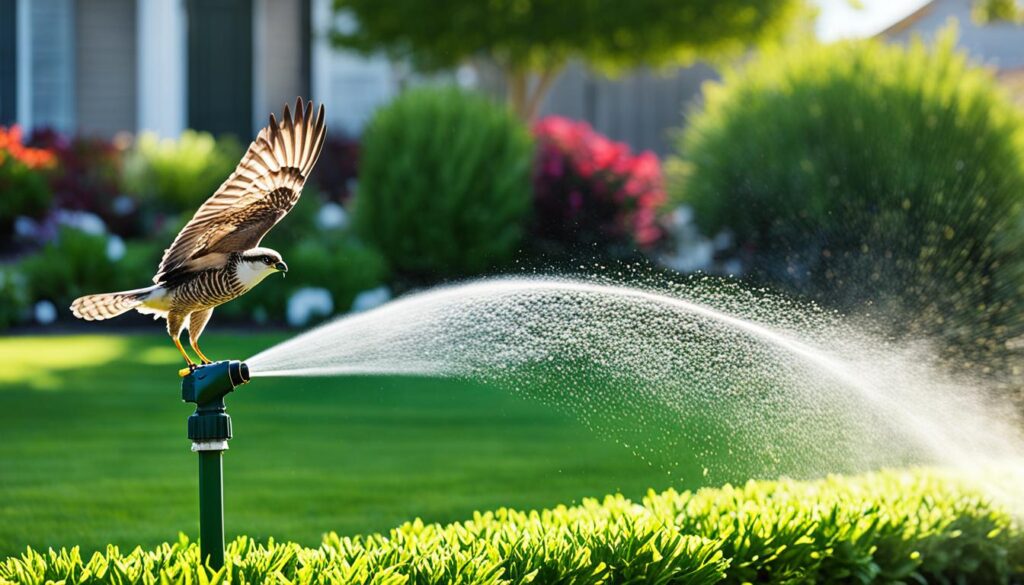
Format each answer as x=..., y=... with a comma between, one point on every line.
x=93, y=449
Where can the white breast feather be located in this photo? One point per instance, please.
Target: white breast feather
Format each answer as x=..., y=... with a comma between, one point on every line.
x=250, y=274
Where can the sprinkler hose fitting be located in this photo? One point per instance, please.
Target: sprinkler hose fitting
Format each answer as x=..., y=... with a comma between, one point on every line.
x=209, y=428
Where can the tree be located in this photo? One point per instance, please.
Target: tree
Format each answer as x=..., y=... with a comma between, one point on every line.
x=995, y=10
x=531, y=40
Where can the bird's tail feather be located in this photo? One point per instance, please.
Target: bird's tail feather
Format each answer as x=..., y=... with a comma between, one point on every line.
x=108, y=305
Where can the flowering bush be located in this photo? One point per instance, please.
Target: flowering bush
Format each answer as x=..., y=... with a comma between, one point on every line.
x=593, y=191
x=23, y=186
x=88, y=178
x=13, y=147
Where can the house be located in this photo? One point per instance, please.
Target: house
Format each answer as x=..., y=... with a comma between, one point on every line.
x=999, y=45
x=100, y=67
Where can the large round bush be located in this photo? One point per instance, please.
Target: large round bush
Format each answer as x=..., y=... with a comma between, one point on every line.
x=877, y=178
x=444, y=183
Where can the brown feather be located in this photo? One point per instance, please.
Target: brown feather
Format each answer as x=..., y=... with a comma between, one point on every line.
x=264, y=187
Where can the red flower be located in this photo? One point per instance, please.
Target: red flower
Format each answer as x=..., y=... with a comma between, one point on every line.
x=590, y=189
x=11, y=144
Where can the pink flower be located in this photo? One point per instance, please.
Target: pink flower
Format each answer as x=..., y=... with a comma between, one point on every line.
x=582, y=174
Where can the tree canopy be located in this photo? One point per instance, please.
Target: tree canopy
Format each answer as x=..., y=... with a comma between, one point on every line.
x=539, y=36
x=993, y=10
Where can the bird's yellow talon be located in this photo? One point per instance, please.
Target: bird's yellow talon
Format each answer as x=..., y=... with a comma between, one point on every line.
x=199, y=352
x=188, y=360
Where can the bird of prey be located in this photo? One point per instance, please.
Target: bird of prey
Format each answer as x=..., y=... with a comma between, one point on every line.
x=217, y=255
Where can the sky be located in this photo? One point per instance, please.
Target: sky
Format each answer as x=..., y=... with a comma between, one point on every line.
x=840, y=19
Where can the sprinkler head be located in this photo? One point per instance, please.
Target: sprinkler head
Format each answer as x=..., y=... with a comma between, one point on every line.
x=211, y=382
x=206, y=386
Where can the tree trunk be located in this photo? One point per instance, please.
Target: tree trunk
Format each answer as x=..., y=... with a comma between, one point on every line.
x=526, y=94
x=517, y=82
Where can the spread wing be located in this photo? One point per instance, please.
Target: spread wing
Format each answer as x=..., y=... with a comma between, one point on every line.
x=263, y=189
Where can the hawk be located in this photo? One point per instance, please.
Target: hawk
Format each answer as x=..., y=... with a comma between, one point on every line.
x=217, y=255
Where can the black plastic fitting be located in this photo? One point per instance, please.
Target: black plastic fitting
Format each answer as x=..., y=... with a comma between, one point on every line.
x=206, y=386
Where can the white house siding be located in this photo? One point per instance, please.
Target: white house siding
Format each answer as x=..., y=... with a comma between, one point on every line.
x=50, y=77
x=280, y=73
x=350, y=85
x=105, y=79
x=160, y=66
x=997, y=44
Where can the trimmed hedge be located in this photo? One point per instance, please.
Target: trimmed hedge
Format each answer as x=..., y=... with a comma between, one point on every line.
x=920, y=526
x=444, y=183
x=869, y=176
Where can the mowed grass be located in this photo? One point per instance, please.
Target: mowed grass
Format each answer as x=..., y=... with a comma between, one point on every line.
x=93, y=449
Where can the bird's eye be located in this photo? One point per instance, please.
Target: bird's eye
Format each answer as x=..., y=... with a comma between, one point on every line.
x=268, y=260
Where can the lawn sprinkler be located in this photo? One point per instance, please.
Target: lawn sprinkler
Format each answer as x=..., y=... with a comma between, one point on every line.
x=209, y=429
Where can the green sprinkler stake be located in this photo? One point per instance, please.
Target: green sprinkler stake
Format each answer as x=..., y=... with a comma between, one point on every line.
x=209, y=428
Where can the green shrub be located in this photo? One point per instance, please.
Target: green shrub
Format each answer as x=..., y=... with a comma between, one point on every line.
x=73, y=264
x=14, y=298
x=179, y=175
x=76, y=263
x=444, y=183
x=890, y=527
x=23, y=191
x=870, y=176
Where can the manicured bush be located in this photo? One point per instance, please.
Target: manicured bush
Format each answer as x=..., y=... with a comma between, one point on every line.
x=444, y=183
x=890, y=527
x=591, y=191
x=23, y=182
x=179, y=175
x=871, y=176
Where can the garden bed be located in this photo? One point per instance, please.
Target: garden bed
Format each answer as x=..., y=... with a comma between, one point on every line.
x=917, y=526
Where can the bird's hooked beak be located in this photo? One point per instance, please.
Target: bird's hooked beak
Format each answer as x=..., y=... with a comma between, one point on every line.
x=281, y=267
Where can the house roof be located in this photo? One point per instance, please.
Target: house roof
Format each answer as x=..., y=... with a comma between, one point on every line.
x=909, y=20
x=994, y=44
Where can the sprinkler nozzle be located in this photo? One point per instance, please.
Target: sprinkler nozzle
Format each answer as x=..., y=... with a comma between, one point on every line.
x=206, y=386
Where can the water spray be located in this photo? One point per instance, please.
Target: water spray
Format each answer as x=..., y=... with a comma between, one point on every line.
x=752, y=384
x=209, y=429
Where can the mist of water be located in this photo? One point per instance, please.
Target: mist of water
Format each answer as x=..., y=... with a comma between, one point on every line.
x=708, y=376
